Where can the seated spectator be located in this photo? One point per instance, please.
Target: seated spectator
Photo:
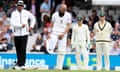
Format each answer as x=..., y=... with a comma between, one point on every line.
x=90, y=26
x=48, y=24
x=37, y=45
x=74, y=17
x=9, y=32
x=44, y=9
x=2, y=12
x=92, y=38
x=115, y=49
x=112, y=21
x=40, y=43
x=115, y=35
x=93, y=48
x=93, y=18
x=84, y=20
x=3, y=40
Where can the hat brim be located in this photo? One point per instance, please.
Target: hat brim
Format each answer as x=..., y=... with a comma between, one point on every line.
x=102, y=15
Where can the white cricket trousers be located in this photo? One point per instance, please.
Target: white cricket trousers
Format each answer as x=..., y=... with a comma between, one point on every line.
x=51, y=43
x=100, y=49
x=81, y=49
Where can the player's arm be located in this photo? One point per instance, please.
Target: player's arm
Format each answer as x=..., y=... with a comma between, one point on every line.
x=94, y=28
x=87, y=36
x=52, y=21
x=68, y=24
x=110, y=28
x=73, y=38
x=67, y=28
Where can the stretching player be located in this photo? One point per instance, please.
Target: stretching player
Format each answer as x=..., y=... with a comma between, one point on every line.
x=61, y=21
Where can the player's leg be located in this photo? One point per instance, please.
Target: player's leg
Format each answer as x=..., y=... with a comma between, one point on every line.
x=61, y=53
x=106, y=50
x=77, y=55
x=51, y=43
x=85, y=54
x=99, y=56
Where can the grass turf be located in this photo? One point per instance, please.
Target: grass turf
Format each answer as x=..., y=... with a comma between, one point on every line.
x=52, y=71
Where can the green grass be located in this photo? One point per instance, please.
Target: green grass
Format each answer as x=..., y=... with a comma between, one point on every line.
x=52, y=71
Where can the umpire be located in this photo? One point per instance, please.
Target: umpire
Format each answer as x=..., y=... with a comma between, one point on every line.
x=21, y=28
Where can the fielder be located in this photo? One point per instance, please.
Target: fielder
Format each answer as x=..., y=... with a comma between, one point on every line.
x=61, y=22
x=102, y=30
x=80, y=41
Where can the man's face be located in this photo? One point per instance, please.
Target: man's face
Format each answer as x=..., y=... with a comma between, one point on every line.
x=62, y=10
x=80, y=22
x=102, y=18
x=20, y=7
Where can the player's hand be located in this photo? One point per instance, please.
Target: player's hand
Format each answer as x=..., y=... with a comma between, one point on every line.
x=30, y=29
x=23, y=25
x=61, y=36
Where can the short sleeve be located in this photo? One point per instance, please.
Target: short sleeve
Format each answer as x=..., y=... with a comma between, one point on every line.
x=69, y=19
x=53, y=18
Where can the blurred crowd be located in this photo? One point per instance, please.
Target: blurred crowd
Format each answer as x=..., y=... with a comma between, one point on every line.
x=43, y=9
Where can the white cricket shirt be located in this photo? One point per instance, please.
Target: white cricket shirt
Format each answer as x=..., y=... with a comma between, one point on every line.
x=60, y=23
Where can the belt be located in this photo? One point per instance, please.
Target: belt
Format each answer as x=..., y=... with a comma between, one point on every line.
x=102, y=41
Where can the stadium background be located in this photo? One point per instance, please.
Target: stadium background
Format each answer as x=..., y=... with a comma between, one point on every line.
x=86, y=8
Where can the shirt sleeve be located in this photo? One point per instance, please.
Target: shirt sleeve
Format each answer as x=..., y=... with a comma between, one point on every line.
x=13, y=23
x=69, y=19
x=32, y=18
x=73, y=38
x=94, y=29
x=87, y=35
x=110, y=28
x=53, y=18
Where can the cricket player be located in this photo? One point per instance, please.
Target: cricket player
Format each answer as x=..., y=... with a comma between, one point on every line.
x=61, y=22
x=102, y=30
x=80, y=41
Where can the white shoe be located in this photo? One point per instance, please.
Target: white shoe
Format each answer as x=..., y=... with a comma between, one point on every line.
x=98, y=69
x=16, y=68
x=50, y=51
x=19, y=68
x=22, y=67
x=107, y=69
x=58, y=68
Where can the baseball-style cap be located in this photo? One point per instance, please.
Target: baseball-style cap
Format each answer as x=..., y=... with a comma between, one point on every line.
x=102, y=14
x=20, y=3
x=79, y=18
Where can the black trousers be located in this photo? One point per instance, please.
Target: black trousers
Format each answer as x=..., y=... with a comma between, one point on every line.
x=20, y=44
